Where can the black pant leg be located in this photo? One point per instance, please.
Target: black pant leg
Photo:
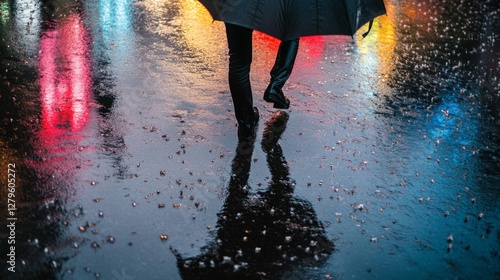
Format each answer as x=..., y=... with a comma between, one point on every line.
x=239, y=41
x=283, y=65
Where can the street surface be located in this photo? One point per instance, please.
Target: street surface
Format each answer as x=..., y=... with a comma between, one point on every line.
x=120, y=159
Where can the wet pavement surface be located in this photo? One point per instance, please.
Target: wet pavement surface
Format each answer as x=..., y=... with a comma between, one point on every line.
x=120, y=157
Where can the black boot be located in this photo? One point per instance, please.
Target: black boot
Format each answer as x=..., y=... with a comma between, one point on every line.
x=280, y=73
x=247, y=127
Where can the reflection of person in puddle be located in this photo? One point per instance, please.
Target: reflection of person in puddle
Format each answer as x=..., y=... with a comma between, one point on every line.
x=267, y=235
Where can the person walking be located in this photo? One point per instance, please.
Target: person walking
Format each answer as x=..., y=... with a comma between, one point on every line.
x=287, y=21
x=239, y=41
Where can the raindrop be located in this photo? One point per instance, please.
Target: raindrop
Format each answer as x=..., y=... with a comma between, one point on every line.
x=161, y=205
x=288, y=238
x=97, y=275
x=110, y=239
x=97, y=199
x=94, y=245
x=75, y=245
x=226, y=260
x=480, y=216
x=163, y=237
x=101, y=214
x=134, y=204
x=93, y=183
x=239, y=253
x=82, y=228
x=257, y=249
x=449, y=239
x=447, y=213
x=374, y=239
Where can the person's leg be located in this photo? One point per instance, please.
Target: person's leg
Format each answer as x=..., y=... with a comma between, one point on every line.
x=239, y=41
x=281, y=71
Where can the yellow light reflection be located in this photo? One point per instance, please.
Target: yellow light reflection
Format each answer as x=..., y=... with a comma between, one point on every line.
x=198, y=28
x=377, y=49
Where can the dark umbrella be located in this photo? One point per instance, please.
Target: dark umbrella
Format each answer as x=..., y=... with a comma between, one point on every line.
x=288, y=19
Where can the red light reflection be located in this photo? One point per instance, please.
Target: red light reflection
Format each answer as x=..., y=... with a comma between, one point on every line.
x=310, y=47
x=65, y=77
